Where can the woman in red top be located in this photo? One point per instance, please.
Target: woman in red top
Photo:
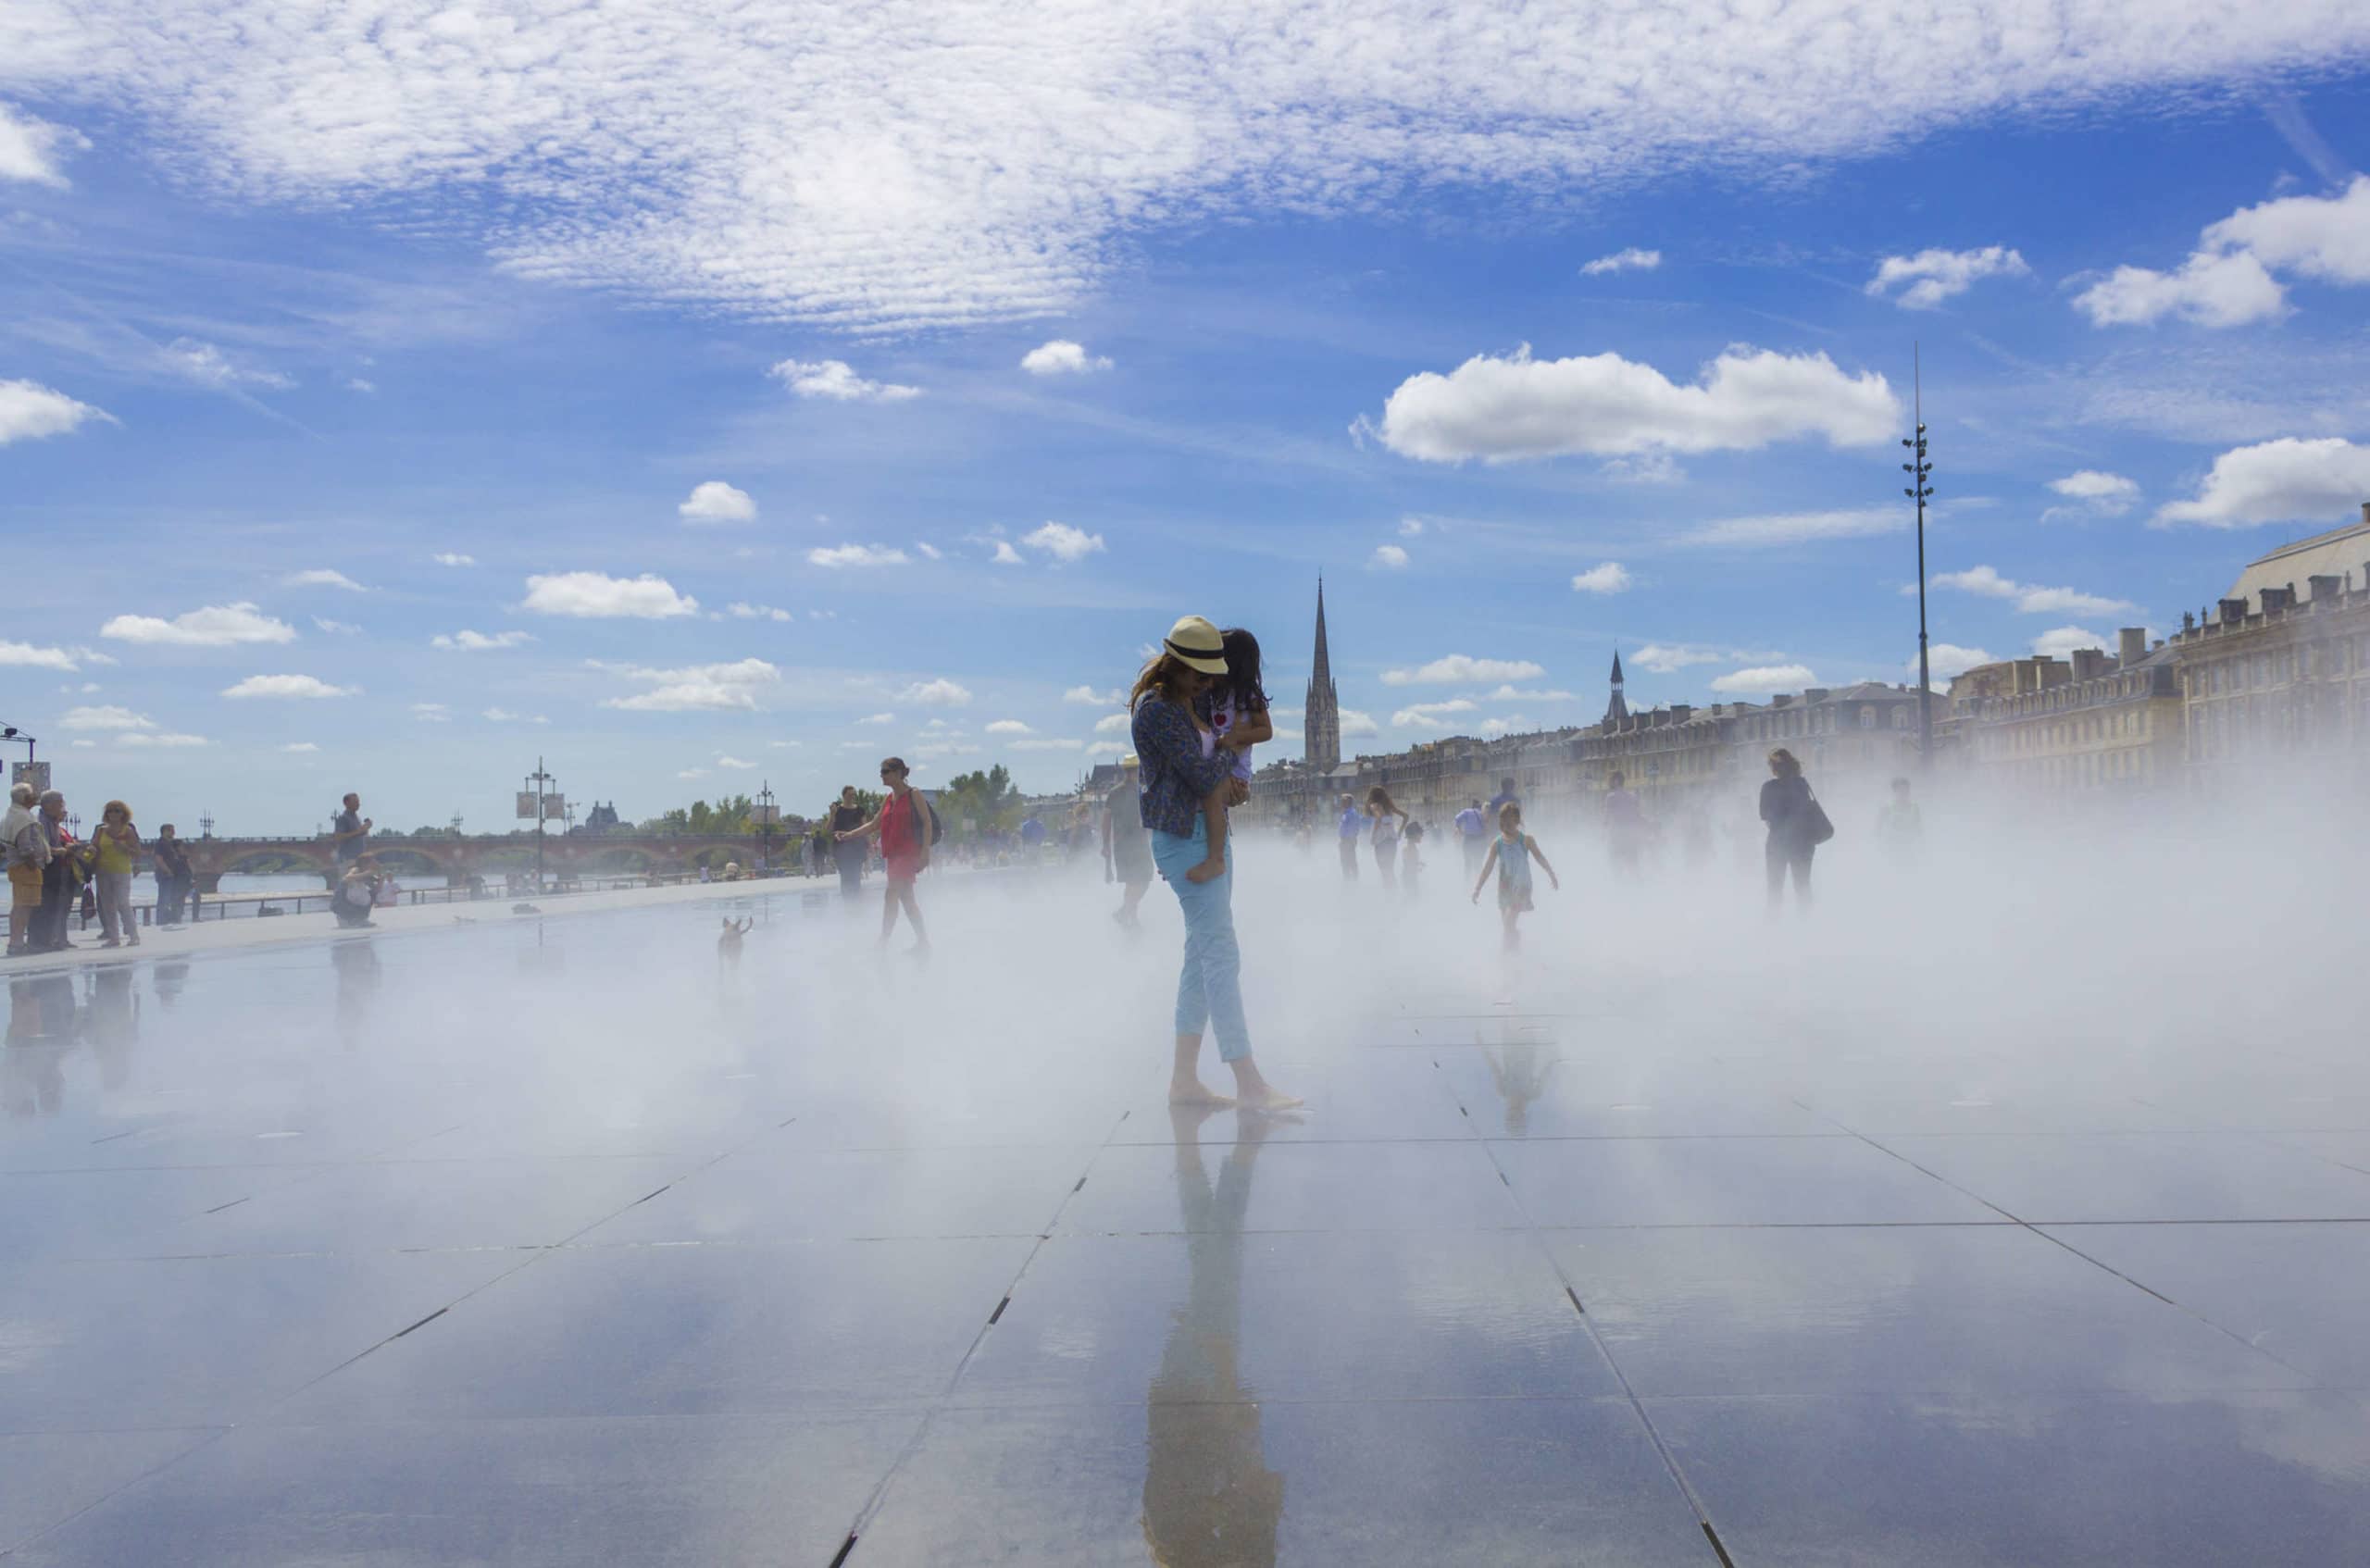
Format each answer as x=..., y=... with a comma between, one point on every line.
x=904, y=823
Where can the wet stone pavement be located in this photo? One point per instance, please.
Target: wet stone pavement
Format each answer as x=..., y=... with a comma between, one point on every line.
x=571, y=1245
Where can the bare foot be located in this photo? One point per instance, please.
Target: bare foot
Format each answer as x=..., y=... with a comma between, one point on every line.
x=1213, y=866
x=1267, y=1097
x=1194, y=1091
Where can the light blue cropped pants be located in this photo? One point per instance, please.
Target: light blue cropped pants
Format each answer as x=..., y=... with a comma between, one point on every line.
x=1209, y=991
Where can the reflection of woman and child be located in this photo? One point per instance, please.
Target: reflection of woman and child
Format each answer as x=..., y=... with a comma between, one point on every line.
x=1210, y=1501
x=1519, y=1069
x=1189, y=778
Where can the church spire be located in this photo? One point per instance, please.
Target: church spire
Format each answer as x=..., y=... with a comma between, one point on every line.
x=1321, y=722
x=1616, y=711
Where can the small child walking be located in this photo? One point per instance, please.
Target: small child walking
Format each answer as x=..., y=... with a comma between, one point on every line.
x=1512, y=852
x=1411, y=860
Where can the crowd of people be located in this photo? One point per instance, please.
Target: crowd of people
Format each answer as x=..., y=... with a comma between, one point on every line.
x=50, y=872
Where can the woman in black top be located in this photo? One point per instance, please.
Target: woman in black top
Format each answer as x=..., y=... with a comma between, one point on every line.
x=1786, y=806
x=846, y=817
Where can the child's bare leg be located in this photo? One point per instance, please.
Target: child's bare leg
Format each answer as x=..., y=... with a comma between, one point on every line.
x=1214, y=826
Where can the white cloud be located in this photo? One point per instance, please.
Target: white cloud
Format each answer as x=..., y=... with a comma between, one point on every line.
x=1797, y=528
x=1934, y=275
x=695, y=688
x=2101, y=494
x=713, y=501
x=912, y=167
x=726, y=760
x=1063, y=543
x=1631, y=260
x=1089, y=697
x=1766, y=677
x=335, y=629
x=2032, y=599
x=1010, y=726
x=216, y=626
x=30, y=411
x=2279, y=481
x=1512, y=724
x=879, y=719
x=466, y=642
x=1116, y=724
x=930, y=552
x=208, y=367
x=1515, y=694
x=431, y=712
x=1044, y=744
x=756, y=612
x=1504, y=409
x=834, y=379
x=1948, y=661
x=1411, y=528
x=498, y=715
x=938, y=693
x=453, y=558
x=1061, y=357
x=1119, y=748
x=1668, y=658
x=24, y=656
x=103, y=717
x=595, y=595
x=356, y=383
x=1609, y=576
x=287, y=686
x=2229, y=290
x=1356, y=723
x=30, y=149
x=1460, y=669
x=785, y=745
x=142, y=738
x=1431, y=713
x=856, y=555
x=1389, y=558
x=2322, y=237
x=1005, y=555
x=691, y=773
x=2063, y=640
x=1645, y=468
x=321, y=577
x=299, y=747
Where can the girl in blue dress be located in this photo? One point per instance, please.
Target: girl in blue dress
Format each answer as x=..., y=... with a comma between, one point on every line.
x=1511, y=852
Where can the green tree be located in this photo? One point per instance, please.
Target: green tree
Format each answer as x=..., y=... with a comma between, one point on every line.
x=987, y=800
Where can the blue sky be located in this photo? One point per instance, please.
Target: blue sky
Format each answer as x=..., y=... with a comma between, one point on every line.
x=496, y=313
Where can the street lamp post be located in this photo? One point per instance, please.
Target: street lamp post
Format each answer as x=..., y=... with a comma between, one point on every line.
x=764, y=827
x=1918, y=490
x=540, y=781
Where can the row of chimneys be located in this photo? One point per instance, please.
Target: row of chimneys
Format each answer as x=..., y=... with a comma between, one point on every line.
x=2279, y=601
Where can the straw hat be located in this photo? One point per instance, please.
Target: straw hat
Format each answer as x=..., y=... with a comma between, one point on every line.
x=1130, y=760
x=1196, y=644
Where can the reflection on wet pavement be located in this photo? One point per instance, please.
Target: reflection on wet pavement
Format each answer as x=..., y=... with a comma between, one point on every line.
x=563, y=1241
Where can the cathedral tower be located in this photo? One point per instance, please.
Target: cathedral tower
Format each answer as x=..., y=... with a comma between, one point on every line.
x=1322, y=723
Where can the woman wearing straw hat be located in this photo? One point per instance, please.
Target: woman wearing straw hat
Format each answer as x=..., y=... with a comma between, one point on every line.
x=1126, y=854
x=1184, y=767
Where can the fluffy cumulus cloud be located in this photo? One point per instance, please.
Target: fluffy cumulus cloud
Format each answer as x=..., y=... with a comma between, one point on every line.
x=466, y=642
x=836, y=380
x=2279, y=481
x=32, y=150
x=938, y=693
x=915, y=165
x=1461, y=669
x=1089, y=697
x=1005, y=555
x=2227, y=289
x=26, y=656
x=216, y=626
x=1630, y=260
x=1010, y=726
x=1063, y=543
x=720, y=688
x=287, y=687
x=713, y=501
x=1987, y=583
x=1061, y=357
x=30, y=411
x=432, y=713
x=299, y=748
x=879, y=719
x=1387, y=558
x=108, y=716
x=2096, y=492
x=1667, y=658
x=1114, y=723
x=839, y=556
x=1607, y=577
x=158, y=739
x=596, y=596
x=2228, y=281
x=453, y=558
x=2061, y=640
x=1356, y=723
x=1429, y=715
x=1515, y=694
x=2321, y=237
x=1777, y=529
x=726, y=759
x=1934, y=275
x=1948, y=661
x=321, y=577
x=1764, y=678
x=742, y=612
x=1507, y=408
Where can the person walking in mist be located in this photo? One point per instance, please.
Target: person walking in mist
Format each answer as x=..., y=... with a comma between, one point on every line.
x=1184, y=768
x=174, y=878
x=115, y=854
x=1794, y=819
x=1389, y=821
x=1511, y=854
x=903, y=826
x=1126, y=851
x=1351, y=828
x=847, y=816
x=1474, y=834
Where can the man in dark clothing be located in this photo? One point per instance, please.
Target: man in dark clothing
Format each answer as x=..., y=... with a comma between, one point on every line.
x=1504, y=798
x=173, y=878
x=846, y=817
x=351, y=833
x=60, y=880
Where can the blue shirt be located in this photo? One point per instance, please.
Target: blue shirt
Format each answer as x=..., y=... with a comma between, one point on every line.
x=1033, y=832
x=1502, y=801
x=1469, y=822
x=1176, y=775
x=1354, y=822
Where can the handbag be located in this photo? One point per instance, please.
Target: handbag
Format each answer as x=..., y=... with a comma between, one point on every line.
x=1815, y=827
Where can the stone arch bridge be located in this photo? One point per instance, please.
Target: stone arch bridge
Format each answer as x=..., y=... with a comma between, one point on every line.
x=457, y=860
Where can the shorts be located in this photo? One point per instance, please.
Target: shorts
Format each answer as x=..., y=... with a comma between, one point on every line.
x=24, y=884
x=1131, y=859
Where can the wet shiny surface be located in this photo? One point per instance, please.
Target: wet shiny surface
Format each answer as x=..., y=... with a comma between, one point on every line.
x=573, y=1244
